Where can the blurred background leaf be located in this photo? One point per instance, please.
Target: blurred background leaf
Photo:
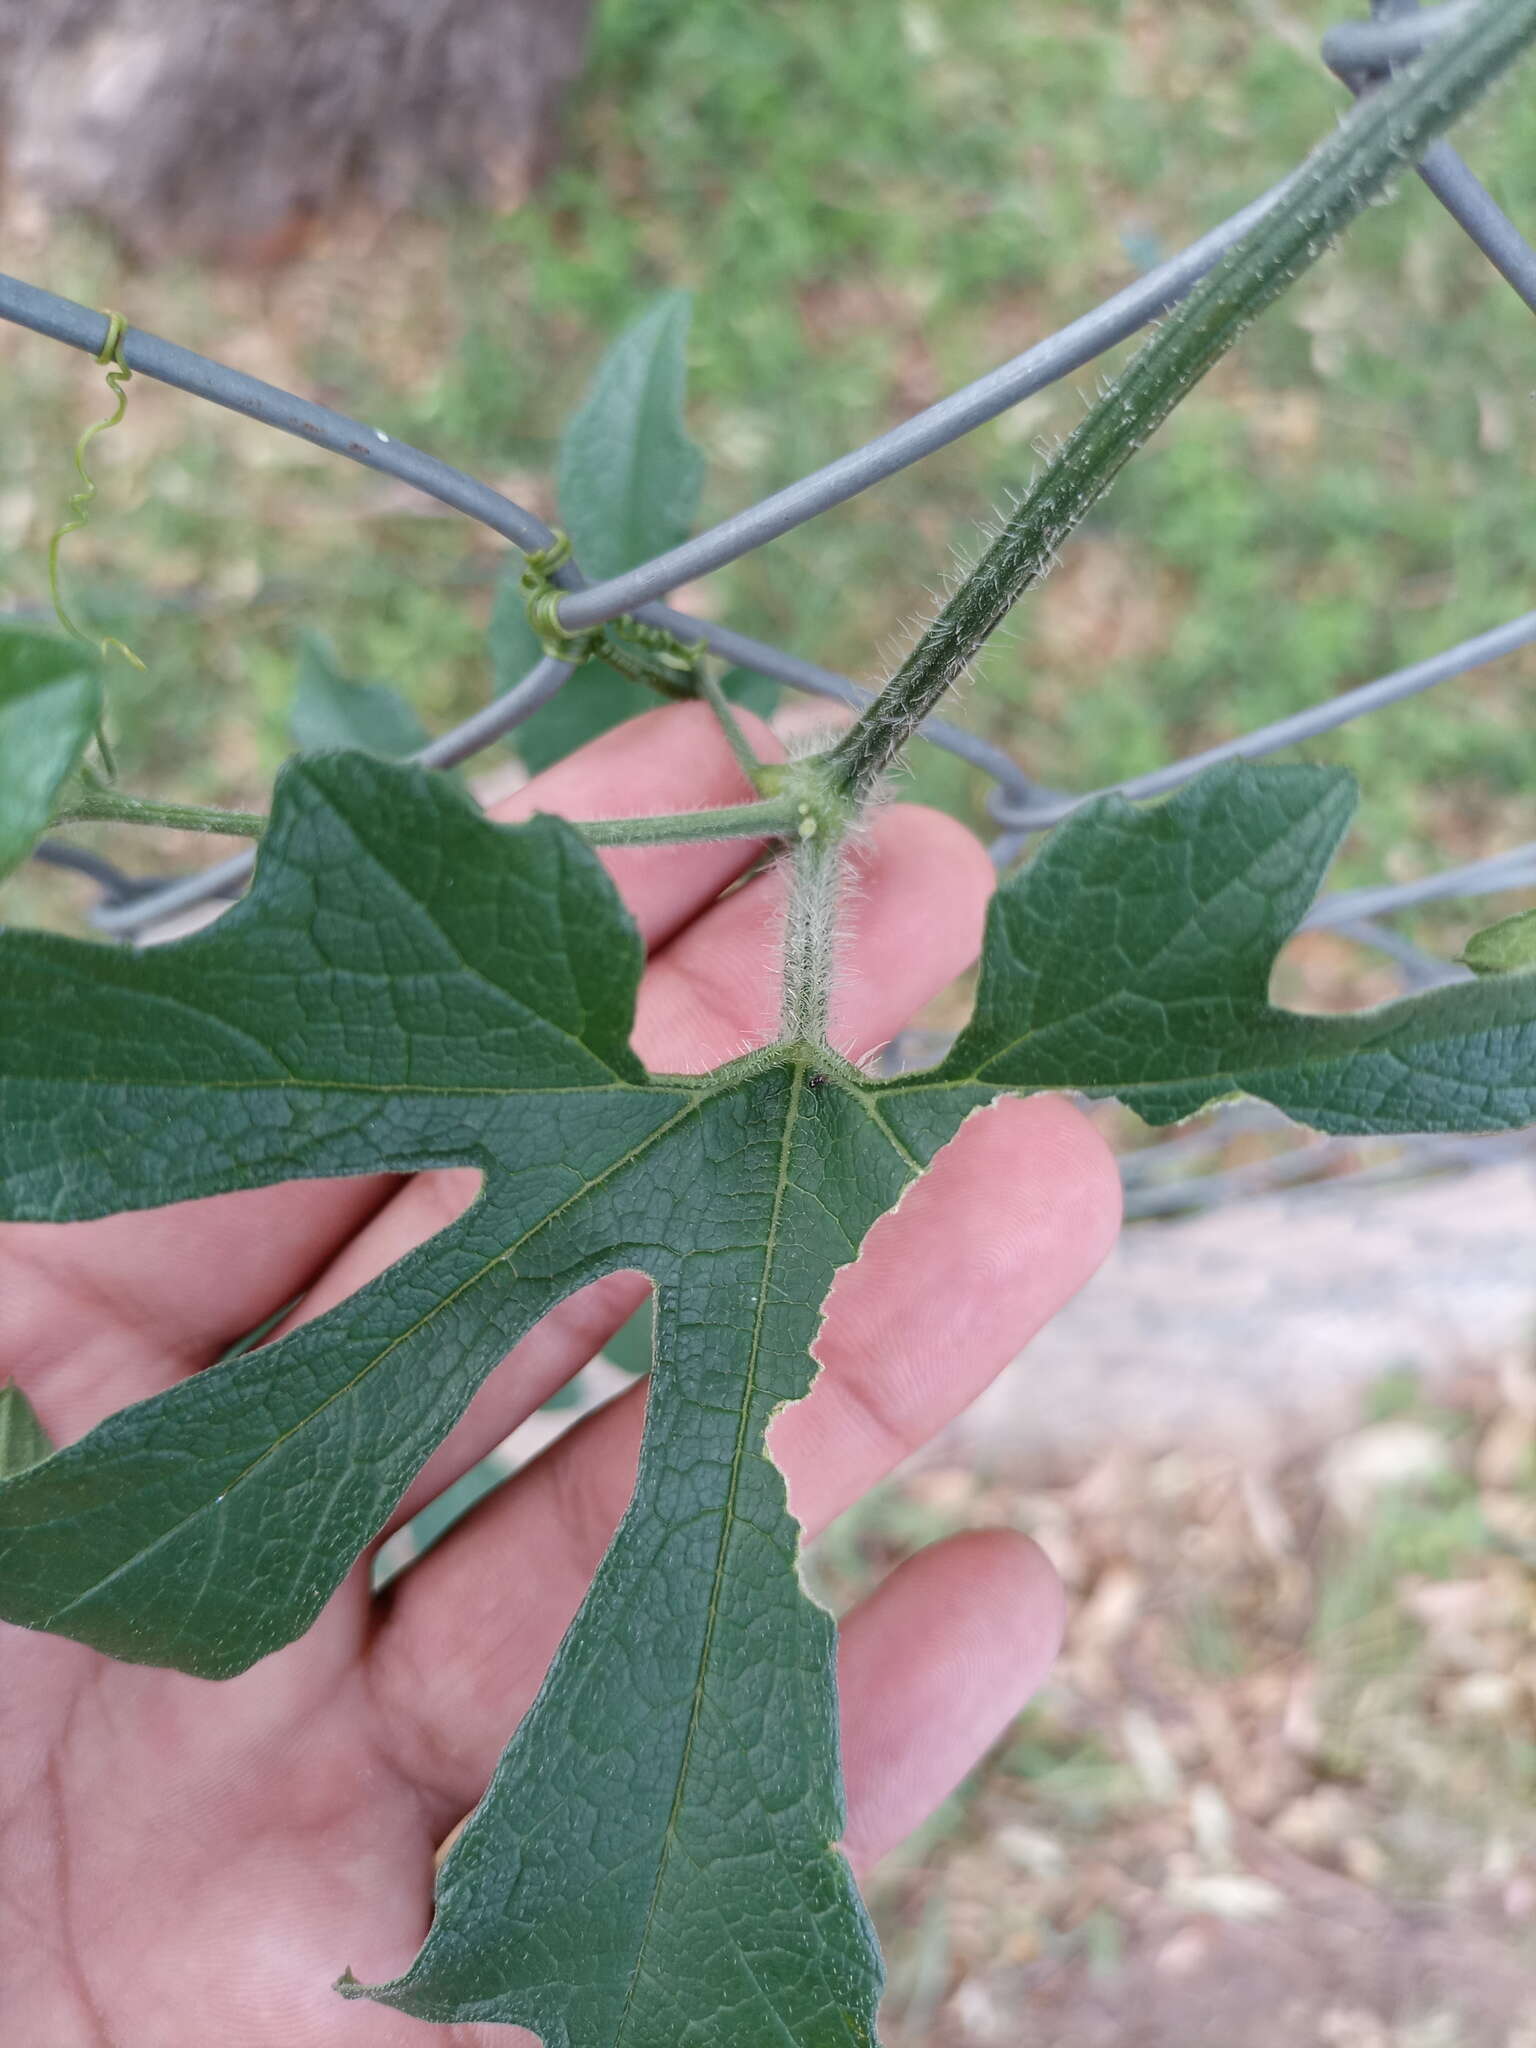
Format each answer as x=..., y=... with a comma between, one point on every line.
x=332, y=710
x=50, y=706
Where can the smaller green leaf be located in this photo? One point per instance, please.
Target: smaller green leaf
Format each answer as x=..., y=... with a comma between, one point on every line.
x=1508, y=947
x=628, y=479
x=331, y=710
x=1133, y=957
x=628, y=476
x=23, y=1440
x=50, y=704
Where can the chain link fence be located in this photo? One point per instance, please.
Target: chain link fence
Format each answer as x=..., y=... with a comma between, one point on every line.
x=1180, y=1173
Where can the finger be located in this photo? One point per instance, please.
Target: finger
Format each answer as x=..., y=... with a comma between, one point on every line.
x=932, y=1669
x=918, y=903
x=95, y=1315
x=1011, y=1219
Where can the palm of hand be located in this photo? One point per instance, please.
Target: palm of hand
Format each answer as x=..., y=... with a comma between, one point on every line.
x=184, y=1862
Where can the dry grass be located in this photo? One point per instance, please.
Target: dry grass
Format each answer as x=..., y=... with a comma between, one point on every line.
x=1279, y=1790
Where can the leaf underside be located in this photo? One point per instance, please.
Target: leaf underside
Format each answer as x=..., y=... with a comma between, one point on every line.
x=408, y=986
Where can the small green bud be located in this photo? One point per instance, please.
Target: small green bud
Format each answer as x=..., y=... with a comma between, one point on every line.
x=1508, y=947
x=23, y=1440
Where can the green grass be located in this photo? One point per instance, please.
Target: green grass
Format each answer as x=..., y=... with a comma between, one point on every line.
x=872, y=205
x=1073, y=1778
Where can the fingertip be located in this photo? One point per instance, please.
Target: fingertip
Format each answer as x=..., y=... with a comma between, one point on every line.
x=934, y=1668
x=1030, y=1601
x=1017, y=1605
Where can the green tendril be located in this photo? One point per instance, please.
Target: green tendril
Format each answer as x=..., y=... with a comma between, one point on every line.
x=78, y=507
x=676, y=661
x=683, y=655
x=541, y=596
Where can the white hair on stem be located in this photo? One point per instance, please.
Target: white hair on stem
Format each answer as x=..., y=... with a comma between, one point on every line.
x=819, y=889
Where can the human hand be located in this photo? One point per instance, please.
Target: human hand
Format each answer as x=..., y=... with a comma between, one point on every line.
x=185, y=1863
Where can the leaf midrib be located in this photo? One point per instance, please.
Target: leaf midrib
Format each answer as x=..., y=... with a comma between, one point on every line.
x=393, y=1089
x=727, y=1525
x=1126, y=1091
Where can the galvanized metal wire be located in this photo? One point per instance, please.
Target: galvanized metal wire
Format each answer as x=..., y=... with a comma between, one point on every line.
x=1361, y=54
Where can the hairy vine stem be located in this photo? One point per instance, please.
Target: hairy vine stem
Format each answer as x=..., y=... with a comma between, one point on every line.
x=729, y=724
x=95, y=804
x=1384, y=132
x=814, y=866
x=777, y=817
x=814, y=869
x=774, y=818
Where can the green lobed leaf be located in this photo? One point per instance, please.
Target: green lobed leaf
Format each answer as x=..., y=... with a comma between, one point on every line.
x=410, y=986
x=1508, y=947
x=23, y=1439
x=330, y=709
x=50, y=705
x=440, y=989
x=1133, y=956
x=697, y=1673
